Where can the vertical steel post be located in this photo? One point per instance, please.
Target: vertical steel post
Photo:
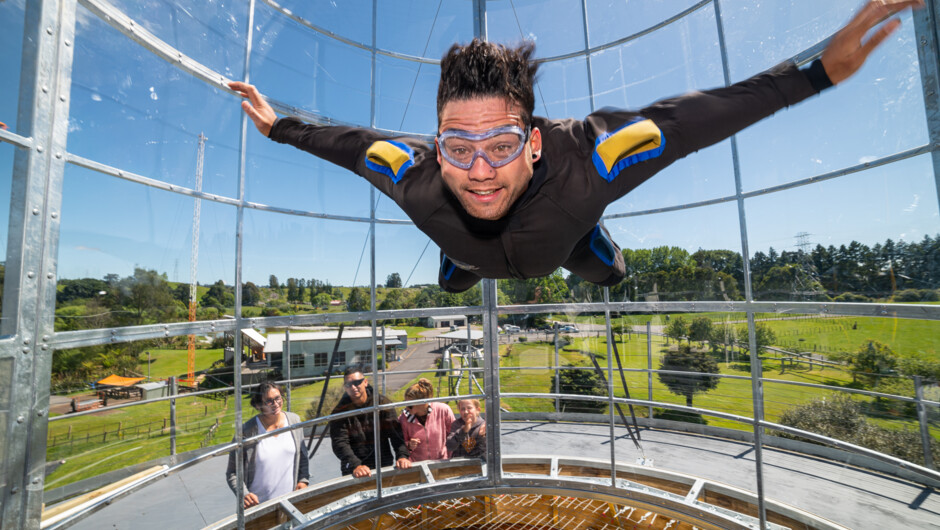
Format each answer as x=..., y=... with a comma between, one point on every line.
x=285, y=362
x=376, y=425
x=31, y=258
x=491, y=382
x=174, y=390
x=757, y=389
x=239, y=222
x=610, y=390
x=649, y=365
x=928, y=55
x=557, y=372
x=479, y=19
x=922, y=420
x=384, y=362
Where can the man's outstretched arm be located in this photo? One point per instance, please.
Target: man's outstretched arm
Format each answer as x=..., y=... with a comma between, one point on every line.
x=848, y=49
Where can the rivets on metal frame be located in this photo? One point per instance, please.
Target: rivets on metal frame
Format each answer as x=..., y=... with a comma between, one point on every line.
x=20, y=419
x=68, y=42
x=45, y=89
x=62, y=97
x=40, y=148
x=40, y=413
x=35, y=212
x=55, y=215
x=49, y=275
x=58, y=156
x=49, y=30
x=30, y=274
x=26, y=340
x=25, y=349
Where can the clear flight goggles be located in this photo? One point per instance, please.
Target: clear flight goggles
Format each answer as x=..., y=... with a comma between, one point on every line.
x=498, y=146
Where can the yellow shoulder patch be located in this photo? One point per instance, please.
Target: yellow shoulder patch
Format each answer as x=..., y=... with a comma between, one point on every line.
x=390, y=157
x=628, y=145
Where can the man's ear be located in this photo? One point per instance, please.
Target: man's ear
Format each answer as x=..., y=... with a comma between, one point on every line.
x=437, y=149
x=535, y=141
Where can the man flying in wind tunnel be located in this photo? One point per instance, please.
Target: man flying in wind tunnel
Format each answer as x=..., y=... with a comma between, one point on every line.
x=505, y=194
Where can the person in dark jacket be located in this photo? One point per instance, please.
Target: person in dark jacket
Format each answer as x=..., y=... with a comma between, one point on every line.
x=352, y=438
x=506, y=194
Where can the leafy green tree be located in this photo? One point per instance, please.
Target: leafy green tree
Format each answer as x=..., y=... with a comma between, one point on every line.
x=580, y=382
x=357, y=300
x=393, y=280
x=869, y=361
x=301, y=291
x=181, y=293
x=687, y=360
x=272, y=283
x=251, y=294
x=395, y=299
x=700, y=330
x=677, y=329
x=322, y=300
x=84, y=288
x=218, y=296
x=764, y=336
x=291, y=289
x=148, y=294
x=721, y=338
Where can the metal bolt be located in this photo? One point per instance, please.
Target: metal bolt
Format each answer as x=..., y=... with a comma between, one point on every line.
x=50, y=275
x=45, y=89
x=59, y=156
x=26, y=340
x=14, y=490
x=40, y=413
x=49, y=30
x=55, y=215
x=62, y=97
x=45, y=347
x=68, y=42
x=45, y=338
x=30, y=274
x=36, y=480
x=39, y=148
x=20, y=419
x=25, y=349
x=35, y=212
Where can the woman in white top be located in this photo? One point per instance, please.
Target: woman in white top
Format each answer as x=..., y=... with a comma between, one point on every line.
x=277, y=464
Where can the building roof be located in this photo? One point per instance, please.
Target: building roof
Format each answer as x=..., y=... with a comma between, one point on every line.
x=447, y=317
x=255, y=337
x=152, y=386
x=461, y=334
x=116, y=380
x=275, y=341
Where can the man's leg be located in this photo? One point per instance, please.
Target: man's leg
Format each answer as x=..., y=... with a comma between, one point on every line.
x=597, y=259
x=452, y=278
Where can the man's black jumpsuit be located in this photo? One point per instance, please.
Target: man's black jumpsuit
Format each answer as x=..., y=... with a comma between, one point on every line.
x=585, y=165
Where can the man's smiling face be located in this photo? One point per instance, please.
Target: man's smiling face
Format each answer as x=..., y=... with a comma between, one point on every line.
x=486, y=192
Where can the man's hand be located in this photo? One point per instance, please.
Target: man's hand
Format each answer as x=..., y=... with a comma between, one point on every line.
x=251, y=499
x=482, y=430
x=846, y=52
x=362, y=471
x=300, y=486
x=403, y=463
x=256, y=107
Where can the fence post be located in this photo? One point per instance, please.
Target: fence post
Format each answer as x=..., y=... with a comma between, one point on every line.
x=557, y=375
x=922, y=419
x=649, y=365
x=173, y=390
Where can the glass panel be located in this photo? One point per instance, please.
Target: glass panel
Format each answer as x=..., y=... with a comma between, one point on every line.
x=88, y=445
x=653, y=67
x=351, y=18
x=433, y=26
x=11, y=42
x=320, y=186
x=561, y=89
x=6, y=179
x=838, y=240
x=406, y=92
x=299, y=252
x=120, y=90
x=612, y=19
x=877, y=113
x=760, y=38
x=304, y=68
x=212, y=33
x=838, y=353
x=666, y=262
x=136, y=271
x=556, y=26
x=406, y=258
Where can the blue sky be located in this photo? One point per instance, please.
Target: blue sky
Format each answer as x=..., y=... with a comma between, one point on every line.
x=134, y=111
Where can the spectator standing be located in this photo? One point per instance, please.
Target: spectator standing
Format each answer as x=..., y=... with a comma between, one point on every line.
x=425, y=427
x=468, y=434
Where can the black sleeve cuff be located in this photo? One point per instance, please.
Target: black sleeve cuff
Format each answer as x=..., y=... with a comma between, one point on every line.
x=817, y=76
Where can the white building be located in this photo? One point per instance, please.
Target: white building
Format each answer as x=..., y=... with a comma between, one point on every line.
x=447, y=321
x=309, y=352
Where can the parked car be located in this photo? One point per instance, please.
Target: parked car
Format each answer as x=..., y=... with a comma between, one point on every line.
x=509, y=328
x=569, y=329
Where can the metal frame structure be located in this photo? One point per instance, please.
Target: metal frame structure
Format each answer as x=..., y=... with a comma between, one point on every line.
x=27, y=338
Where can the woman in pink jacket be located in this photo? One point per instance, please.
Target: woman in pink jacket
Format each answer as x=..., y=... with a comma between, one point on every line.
x=425, y=427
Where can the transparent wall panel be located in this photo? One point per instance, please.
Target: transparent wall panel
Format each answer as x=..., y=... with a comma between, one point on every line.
x=835, y=353
x=351, y=19
x=304, y=68
x=91, y=444
x=211, y=33
x=611, y=20
x=668, y=260
x=868, y=235
x=561, y=89
x=760, y=38
x=876, y=113
x=125, y=253
x=11, y=41
x=433, y=26
x=6, y=178
x=293, y=248
x=314, y=185
x=405, y=95
x=123, y=91
x=670, y=61
x=406, y=257
x=555, y=26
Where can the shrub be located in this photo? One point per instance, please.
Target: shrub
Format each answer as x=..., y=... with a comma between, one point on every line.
x=687, y=360
x=582, y=383
x=916, y=295
x=851, y=297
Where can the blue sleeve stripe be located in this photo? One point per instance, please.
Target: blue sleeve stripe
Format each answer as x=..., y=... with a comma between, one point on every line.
x=381, y=165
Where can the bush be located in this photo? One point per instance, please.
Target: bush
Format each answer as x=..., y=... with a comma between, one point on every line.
x=582, y=383
x=916, y=295
x=851, y=297
x=839, y=416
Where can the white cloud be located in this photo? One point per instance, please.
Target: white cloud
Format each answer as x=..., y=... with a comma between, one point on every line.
x=96, y=97
x=913, y=205
x=153, y=94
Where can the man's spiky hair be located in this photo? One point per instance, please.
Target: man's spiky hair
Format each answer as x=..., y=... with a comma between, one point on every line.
x=481, y=69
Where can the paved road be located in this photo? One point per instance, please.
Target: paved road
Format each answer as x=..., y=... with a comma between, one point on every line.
x=419, y=356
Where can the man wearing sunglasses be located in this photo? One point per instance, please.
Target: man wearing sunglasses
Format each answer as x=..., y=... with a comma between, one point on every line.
x=352, y=438
x=506, y=194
